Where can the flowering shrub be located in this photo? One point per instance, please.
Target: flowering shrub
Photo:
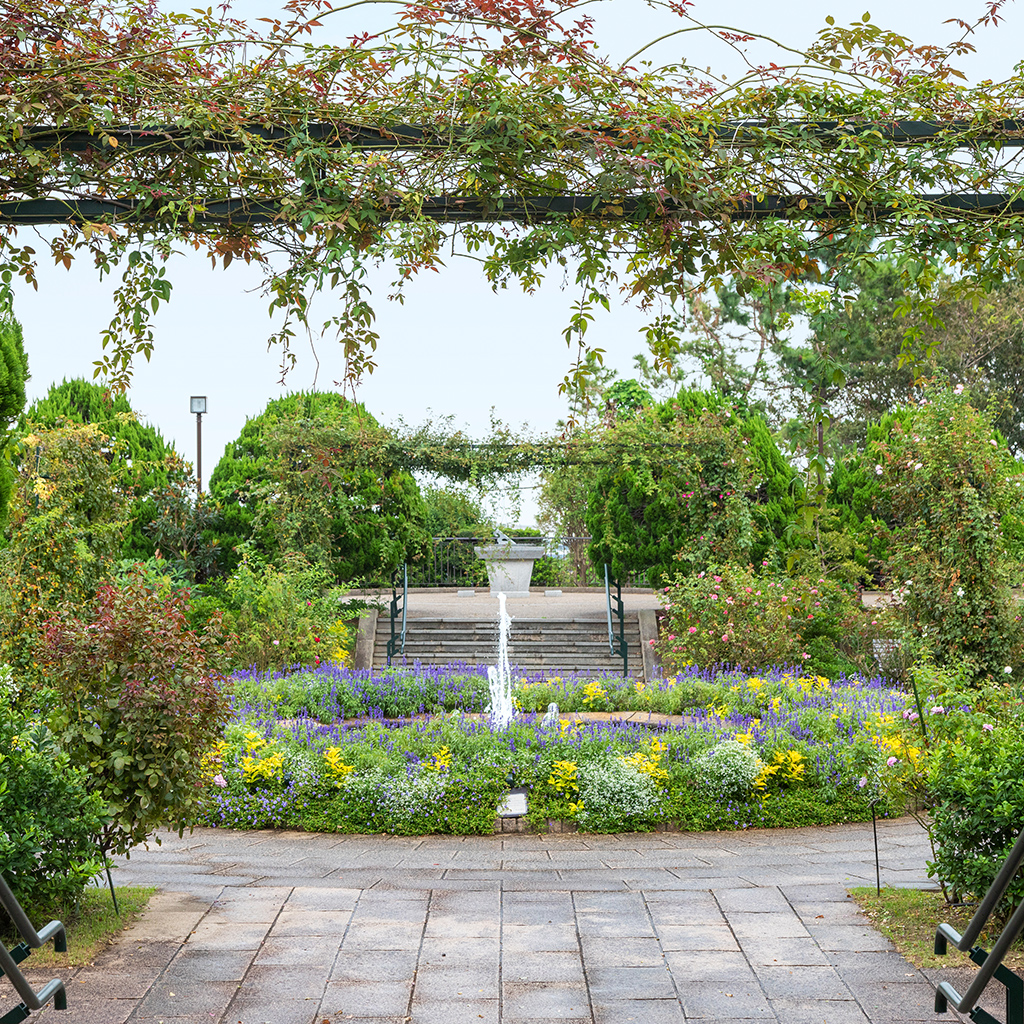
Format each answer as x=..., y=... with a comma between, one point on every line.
x=730, y=768
x=616, y=796
x=734, y=616
x=951, y=494
x=140, y=706
x=807, y=737
x=281, y=616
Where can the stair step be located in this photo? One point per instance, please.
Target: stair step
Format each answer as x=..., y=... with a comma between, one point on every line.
x=535, y=644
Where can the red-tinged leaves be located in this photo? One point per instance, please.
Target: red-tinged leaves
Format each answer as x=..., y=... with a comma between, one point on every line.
x=134, y=678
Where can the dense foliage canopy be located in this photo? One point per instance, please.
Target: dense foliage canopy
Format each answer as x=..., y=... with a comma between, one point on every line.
x=147, y=462
x=692, y=482
x=13, y=374
x=285, y=486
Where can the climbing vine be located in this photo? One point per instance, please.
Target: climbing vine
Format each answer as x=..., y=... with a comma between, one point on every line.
x=492, y=128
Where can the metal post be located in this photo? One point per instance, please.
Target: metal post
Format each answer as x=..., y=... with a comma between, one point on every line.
x=197, y=404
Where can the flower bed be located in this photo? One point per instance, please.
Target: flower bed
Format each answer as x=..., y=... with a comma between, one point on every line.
x=770, y=750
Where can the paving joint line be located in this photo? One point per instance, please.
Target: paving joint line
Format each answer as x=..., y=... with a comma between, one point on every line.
x=739, y=944
x=225, y=1016
x=501, y=951
x=661, y=947
x=134, y=1015
x=419, y=953
x=579, y=951
x=341, y=944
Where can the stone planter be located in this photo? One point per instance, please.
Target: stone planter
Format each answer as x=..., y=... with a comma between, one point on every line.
x=510, y=566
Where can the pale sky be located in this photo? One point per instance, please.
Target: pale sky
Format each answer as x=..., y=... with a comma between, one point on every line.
x=455, y=347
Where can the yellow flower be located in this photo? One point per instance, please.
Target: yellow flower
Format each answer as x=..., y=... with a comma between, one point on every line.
x=594, y=692
x=441, y=759
x=268, y=769
x=564, y=777
x=337, y=767
x=254, y=741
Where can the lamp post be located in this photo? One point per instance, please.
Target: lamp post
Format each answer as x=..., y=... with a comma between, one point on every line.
x=197, y=404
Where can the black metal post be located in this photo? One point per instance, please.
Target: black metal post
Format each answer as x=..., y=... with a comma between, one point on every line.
x=199, y=454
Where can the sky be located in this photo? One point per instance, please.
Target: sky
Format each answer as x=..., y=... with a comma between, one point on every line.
x=455, y=348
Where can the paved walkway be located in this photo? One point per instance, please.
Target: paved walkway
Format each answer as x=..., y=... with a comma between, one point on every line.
x=271, y=927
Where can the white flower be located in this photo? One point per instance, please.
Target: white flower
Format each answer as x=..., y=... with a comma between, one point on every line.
x=959, y=591
x=918, y=466
x=1008, y=670
x=878, y=470
x=992, y=441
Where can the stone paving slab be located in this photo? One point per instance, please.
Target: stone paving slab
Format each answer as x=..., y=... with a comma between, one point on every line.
x=279, y=928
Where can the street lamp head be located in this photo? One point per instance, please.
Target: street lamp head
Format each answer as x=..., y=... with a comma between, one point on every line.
x=198, y=403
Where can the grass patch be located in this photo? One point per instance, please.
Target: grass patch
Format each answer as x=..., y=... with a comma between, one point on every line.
x=909, y=918
x=93, y=926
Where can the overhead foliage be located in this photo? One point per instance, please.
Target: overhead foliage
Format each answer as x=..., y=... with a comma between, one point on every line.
x=692, y=482
x=147, y=130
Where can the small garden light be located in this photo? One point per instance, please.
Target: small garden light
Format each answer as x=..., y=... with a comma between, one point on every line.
x=514, y=804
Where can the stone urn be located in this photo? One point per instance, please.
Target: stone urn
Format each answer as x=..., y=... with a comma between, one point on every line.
x=509, y=566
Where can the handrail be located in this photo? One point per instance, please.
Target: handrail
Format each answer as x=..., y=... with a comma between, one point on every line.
x=618, y=645
x=9, y=960
x=990, y=963
x=396, y=645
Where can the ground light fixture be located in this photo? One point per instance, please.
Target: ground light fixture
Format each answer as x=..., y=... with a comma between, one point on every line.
x=197, y=404
x=514, y=804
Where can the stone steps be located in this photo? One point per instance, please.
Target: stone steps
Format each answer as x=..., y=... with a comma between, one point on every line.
x=550, y=645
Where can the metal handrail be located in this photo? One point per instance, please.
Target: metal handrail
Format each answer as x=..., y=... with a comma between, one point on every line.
x=990, y=964
x=618, y=645
x=396, y=645
x=9, y=960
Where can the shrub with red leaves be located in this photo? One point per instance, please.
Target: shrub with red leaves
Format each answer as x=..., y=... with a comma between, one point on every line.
x=142, y=703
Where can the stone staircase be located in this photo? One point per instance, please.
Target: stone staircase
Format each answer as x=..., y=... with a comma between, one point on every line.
x=553, y=646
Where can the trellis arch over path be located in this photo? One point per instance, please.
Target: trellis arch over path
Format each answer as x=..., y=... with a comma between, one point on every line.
x=491, y=126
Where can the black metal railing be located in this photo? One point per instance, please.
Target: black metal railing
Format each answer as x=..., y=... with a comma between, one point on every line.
x=990, y=964
x=396, y=645
x=10, y=958
x=452, y=562
x=616, y=611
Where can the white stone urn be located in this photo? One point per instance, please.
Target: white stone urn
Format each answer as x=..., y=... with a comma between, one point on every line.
x=510, y=566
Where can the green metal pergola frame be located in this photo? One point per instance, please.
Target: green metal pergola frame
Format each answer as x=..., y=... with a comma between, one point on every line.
x=169, y=140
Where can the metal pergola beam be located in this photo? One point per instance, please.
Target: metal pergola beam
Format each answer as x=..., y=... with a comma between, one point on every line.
x=170, y=138
x=243, y=213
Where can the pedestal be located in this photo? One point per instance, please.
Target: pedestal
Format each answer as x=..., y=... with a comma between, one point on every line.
x=510, y=566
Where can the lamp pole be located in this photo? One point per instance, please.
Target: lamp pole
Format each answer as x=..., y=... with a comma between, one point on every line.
x=197, y=404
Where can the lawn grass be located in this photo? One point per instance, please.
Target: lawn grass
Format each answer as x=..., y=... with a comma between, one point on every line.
x=909, y=918
x=92, y=928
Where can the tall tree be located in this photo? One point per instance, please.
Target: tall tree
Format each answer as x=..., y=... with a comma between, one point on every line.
x=285, y=486
x=685, y=483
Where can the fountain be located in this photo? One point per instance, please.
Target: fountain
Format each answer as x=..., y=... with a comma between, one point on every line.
x=509, y=565
x=500, y=676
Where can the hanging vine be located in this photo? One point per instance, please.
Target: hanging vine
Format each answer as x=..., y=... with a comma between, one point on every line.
x=494, y=128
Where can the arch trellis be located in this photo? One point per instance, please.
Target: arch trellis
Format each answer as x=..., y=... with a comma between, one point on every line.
x=129, y=133
x=170, y=141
